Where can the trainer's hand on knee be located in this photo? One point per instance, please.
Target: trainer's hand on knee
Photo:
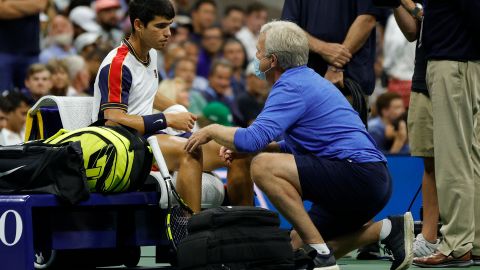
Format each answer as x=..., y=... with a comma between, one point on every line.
x=181, y=120
x=198, y=138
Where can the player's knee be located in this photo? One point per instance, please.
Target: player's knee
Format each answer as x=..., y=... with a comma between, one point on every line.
x=193, y=155
x=259, y=168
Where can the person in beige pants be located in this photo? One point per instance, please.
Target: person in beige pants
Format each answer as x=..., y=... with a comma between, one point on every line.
x=452, y=46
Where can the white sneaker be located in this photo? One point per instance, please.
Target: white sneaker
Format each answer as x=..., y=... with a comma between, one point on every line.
x=423, y=248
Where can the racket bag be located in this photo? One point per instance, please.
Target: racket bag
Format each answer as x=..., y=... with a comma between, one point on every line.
x=235, y=238
x=37, y=167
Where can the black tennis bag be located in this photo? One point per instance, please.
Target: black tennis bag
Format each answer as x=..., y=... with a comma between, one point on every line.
x=36, y=167
x=235, y=238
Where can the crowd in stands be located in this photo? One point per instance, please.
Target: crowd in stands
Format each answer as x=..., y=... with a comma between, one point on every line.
x=208, y=58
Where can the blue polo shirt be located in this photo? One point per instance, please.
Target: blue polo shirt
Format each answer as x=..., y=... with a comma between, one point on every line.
x=330, y=20
x=313, y=117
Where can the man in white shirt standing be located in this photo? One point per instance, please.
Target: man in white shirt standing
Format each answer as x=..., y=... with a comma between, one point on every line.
x=399, y=60
x=256, y=16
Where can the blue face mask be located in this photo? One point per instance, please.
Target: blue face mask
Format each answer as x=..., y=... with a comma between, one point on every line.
x=256, y=68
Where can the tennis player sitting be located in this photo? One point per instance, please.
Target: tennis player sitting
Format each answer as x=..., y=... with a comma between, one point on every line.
x=326, y=157
x=125, y=92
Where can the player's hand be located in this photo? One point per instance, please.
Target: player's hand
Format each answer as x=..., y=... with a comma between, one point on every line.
x=336, y=77
x=197, y=139
x=401, y=134
x=181, y=120
x=335, y=54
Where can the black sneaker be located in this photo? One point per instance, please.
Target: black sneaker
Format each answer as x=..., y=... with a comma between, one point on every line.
x=400, y=241
x=307, y=258
x=370, y=252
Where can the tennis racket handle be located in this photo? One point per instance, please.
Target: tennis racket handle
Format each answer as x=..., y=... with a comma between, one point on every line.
x=157, y=153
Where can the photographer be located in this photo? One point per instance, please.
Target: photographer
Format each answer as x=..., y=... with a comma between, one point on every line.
x=389, y=129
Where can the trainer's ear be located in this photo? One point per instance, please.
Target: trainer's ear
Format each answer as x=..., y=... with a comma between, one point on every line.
x=274, y=59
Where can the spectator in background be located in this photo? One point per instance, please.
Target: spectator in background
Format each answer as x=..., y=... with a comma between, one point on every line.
x=60, y=39
x=204, y=15
x=3, y=114
x=192, y=50
x=234, y=52
x=86, y=42
x=250, y=103
x=185, y=69
x=212, y=41
x=398, y=63
x=339, y=32
x=109, y=21
x=93, y=60
x=233, y=20
x=176, y=90
x=20, y=39
x=14, y=131
x=219, y=87
x=60, y=78
x=389, y=129
x=79, y=76
x=256, y=16
x=84, y=21
x=173, y=53
x=38, y=83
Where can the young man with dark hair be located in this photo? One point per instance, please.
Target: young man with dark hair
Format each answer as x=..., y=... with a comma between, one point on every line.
x=204, y=15
x=16, y=113
x=256, y=16
x=3, y=113
x=125, y=93
x=389, y=130
x=233, y=20
x=37, y=83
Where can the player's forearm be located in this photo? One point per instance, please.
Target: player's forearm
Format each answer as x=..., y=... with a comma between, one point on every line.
x=132, y=121
x=161, y=102
x=406, y=22
x=359, y=32
x=397, y=146
x=223, y=135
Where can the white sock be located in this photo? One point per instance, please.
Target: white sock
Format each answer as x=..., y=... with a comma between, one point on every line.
x=321, y=248
x=386, y=228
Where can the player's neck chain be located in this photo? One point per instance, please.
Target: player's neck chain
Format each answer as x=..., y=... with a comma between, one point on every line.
x=132, y=50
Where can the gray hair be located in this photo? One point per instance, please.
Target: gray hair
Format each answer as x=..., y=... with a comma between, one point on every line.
x=287, y=41
x=75, y=64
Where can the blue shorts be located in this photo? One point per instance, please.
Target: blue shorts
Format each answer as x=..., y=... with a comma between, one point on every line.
x=345, y=195
x=185, y=135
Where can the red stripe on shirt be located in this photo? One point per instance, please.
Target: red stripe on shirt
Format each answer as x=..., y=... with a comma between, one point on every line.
x=115, y=75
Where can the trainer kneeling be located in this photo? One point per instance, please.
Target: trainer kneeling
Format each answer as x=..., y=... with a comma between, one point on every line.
x=326, y=157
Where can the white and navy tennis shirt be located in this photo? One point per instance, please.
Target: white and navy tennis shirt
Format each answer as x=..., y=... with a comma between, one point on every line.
x=125, y=82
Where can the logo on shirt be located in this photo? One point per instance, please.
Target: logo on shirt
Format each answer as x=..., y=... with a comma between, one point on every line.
x=155, y=73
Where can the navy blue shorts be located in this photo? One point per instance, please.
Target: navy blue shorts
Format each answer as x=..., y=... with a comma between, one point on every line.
x=185, y=135
x=345, y=195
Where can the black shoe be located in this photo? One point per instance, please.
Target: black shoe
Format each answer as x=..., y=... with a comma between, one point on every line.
x=369, y=252
x=307, y=258
x=400, y=241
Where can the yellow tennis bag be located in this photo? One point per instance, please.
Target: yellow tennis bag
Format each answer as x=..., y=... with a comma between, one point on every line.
x=115, y=159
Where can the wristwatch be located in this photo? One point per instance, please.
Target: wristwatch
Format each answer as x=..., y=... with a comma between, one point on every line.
x=417, y=10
